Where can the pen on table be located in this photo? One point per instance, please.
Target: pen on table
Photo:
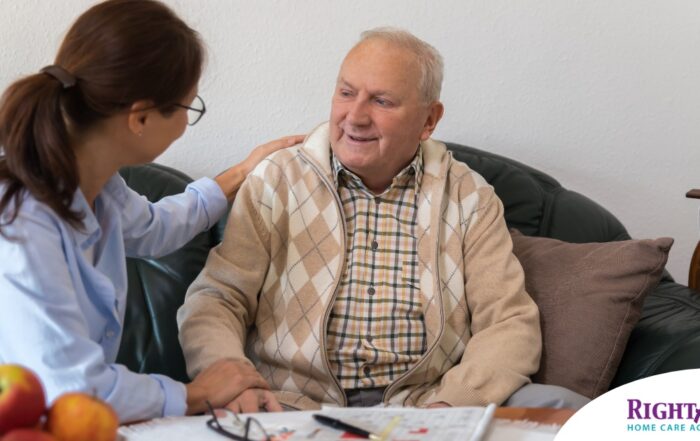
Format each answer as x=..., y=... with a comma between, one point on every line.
x=484, y=423
x=340, y=425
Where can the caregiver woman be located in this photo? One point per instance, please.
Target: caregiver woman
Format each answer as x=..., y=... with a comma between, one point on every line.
x=122, y=89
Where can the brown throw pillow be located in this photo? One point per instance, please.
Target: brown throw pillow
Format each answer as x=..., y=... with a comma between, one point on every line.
x=590, y=297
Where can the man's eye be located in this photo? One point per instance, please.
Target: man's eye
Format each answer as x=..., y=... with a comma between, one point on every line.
x=382, y=102
x=344, y=93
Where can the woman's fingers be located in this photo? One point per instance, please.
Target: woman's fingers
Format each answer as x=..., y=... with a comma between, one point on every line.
x=262, y=151
x=231, y=179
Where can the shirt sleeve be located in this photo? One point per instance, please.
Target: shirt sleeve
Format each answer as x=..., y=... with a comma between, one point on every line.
x=44, y=326
x=156, y=229
x=222, y=302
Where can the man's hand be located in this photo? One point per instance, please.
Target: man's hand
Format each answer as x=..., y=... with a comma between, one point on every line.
x=255, y=400
x=220, y=383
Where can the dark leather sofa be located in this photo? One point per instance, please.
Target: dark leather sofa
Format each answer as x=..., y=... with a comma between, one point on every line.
x=667, y=337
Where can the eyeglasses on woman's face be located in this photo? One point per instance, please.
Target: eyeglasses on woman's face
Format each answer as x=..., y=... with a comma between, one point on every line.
x=195, y=111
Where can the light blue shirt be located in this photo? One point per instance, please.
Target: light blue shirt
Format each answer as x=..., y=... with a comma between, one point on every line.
x=63, y=290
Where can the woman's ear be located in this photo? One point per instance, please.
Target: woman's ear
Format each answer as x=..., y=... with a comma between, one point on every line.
x=139, y=113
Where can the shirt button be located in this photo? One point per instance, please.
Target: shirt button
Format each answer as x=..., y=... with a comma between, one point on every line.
x=377, y=200
x=109, y=334
x=375, y=245
x=370, y=291
x=369, y=338
x=366, y=370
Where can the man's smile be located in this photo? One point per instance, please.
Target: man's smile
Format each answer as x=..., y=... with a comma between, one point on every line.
x=360, y=139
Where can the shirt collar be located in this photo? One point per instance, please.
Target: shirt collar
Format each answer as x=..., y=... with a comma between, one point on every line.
x=90, y=230
x=87, y=233
x=415, y=167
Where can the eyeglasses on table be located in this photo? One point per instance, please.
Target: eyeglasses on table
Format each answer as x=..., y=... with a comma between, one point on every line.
x=251, y=428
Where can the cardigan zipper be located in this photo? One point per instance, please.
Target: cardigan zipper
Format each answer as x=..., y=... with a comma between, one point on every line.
x=326, y=314
x=436, y=272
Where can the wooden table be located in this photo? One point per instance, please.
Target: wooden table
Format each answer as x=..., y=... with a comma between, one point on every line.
x=539, y=415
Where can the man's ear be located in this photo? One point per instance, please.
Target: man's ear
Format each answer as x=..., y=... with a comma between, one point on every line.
x=435, y=112
x=139, y=113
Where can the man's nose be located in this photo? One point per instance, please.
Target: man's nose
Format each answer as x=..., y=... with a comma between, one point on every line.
x=358, y=114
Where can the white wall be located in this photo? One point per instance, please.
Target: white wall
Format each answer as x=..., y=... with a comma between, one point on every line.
x=602, y=94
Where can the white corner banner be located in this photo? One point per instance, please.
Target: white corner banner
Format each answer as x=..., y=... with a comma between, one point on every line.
x=663, y=407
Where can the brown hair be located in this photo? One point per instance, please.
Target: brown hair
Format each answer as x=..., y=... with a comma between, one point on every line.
x=119, y=51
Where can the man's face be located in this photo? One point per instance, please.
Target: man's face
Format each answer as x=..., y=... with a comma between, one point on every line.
x=377, y=115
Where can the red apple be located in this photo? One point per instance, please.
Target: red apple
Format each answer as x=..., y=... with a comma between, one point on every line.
x=77, y=416
x=27, y=435
x=22, y=399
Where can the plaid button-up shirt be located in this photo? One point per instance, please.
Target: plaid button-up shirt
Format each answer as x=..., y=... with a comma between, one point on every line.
x=376, y=330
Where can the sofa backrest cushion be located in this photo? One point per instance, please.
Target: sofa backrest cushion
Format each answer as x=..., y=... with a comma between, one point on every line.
x=590, y=298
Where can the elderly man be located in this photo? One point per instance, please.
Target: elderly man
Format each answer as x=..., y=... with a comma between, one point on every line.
x=367, y=265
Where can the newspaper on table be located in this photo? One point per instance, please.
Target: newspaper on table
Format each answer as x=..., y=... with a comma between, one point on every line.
x=390, y=423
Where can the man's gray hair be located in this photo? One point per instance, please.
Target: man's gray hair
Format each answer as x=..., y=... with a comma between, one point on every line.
x=429, y=59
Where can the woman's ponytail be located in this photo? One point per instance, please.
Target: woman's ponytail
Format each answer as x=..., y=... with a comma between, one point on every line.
x=36, y=153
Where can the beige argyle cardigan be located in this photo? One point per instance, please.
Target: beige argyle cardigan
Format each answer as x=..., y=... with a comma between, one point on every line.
x=267, y=290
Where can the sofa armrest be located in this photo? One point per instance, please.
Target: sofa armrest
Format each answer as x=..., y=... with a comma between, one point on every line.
x=667, y=337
